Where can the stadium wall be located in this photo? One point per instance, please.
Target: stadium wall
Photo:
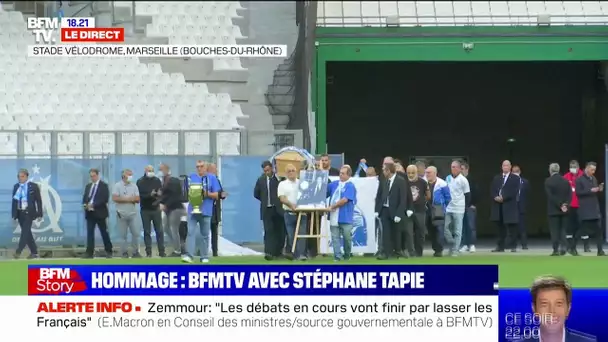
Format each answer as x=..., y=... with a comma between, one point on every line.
x=449, y=44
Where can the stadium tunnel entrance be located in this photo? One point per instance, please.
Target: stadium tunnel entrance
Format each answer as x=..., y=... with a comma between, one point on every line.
x=532, y=113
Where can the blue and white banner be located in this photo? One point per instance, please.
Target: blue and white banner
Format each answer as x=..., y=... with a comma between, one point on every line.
x=364, y=224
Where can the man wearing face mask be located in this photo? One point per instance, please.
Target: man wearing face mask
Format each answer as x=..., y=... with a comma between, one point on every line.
x=149, y=187
x=126, y=196
x=574, y=231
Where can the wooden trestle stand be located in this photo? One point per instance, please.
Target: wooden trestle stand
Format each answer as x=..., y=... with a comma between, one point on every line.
x=314, y=226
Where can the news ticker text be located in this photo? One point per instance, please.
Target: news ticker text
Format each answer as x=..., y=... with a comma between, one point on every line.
x=427, y=316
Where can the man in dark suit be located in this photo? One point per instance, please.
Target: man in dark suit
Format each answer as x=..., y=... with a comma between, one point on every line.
x=504, y=210
x=587, y=191
x=558, y=193
x=95, y=202
x=26, y=207
x=522, y=202
x=216, y=218
x=271, y=212
x=551, y=301
x=393, y=204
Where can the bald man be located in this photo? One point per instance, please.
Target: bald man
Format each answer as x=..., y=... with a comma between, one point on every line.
x=504, y=209
x=420, y=192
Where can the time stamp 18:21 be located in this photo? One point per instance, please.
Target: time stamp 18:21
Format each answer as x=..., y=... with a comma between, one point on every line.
x=524, y=326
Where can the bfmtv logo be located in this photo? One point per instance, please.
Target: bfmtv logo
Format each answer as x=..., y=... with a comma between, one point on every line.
x=54, y=281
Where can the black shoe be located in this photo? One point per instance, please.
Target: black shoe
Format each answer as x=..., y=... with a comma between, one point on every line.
x=524, y=247
x=136, y=256
x=162, y=254
x=382, y=257
x=574, y=252
x=498, y=250
x=268, y=257
x=513, y=250
x=601, y=253
x=16, y=256
x=109, y=256
x=215, y=255
x=555, y=253
x=148, y=255
x=562, y=252
x=125, y=255
x=438, y=254
x=33, y=256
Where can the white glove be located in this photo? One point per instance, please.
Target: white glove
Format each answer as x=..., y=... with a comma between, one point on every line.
x=397, y=219
x=409, y=213
x=376, y=215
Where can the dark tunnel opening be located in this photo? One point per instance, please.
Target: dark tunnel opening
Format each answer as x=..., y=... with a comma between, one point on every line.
x=532, y=113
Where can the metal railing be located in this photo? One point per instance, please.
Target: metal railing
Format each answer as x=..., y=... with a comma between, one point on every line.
x=465, y=13
x=84, y=144
x=457, y=20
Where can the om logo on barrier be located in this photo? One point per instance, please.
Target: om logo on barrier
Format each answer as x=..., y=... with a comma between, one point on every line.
x=51, y=205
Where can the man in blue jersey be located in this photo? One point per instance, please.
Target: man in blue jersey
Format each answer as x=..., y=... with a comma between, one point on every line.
x=551, y=301
x=343, y=196
x=201, y=223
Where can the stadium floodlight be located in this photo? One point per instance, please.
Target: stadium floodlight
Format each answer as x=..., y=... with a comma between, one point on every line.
x=392, y=21
x=543, y=19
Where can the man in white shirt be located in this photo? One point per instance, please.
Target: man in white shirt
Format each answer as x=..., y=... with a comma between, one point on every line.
x=288, y=195
x=460, y=193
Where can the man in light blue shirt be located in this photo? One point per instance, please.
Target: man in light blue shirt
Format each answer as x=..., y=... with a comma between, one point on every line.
x=343, y=196
x=211, y=189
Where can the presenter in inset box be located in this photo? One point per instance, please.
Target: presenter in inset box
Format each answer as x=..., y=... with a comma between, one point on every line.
x=551, y=301
x=95, y=201
x=26, y=207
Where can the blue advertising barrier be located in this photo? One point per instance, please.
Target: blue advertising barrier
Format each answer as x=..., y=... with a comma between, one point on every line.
x=62, y=183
